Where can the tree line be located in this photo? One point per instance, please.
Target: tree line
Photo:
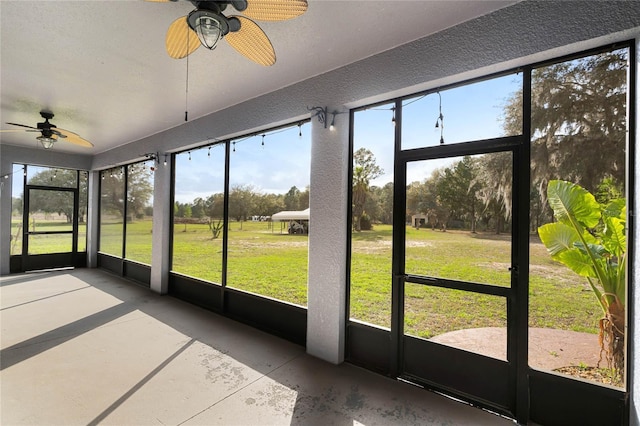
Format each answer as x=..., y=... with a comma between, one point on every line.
x=245, y=201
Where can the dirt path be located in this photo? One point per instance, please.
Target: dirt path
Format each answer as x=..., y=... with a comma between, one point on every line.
x=548, y=348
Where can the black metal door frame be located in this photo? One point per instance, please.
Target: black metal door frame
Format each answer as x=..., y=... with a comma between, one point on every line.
x=533, y=394
x=495, y=384
x=54, y=260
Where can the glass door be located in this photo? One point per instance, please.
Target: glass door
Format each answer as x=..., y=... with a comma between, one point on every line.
x=50, y=227
x=455, y=271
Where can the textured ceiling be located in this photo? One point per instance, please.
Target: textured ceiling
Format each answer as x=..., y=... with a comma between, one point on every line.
x=101, y=66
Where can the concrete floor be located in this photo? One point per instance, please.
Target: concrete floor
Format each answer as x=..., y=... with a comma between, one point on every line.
x=85, y=347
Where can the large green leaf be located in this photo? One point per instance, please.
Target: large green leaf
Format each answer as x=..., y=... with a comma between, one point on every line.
x=616, y=208
x=615, y=241
x=558, y=237
x=598, y=251
x=578, y=261
x=572, y=203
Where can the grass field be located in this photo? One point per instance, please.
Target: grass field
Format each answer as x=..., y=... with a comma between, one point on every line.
x=557, y=298
x=41, y=244
x=275, y=265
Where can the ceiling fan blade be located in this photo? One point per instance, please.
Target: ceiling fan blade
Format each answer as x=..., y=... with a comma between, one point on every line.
x=13, y=130
x=74, y=138
x=275, y=10
x=181, y=40
x=252, y=42
x=23, y=125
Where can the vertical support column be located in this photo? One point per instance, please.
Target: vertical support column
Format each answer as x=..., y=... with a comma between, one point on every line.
x=93, y=218
x=327, y=289
x=6, y=168
x=161, y=228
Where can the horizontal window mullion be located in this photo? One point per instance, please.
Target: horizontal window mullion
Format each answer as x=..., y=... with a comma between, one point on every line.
x=459, y=285
x=464, y=148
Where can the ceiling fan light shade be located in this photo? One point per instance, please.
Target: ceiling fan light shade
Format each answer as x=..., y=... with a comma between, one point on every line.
x=209, y=26
x=46, y=142
x=209, y=33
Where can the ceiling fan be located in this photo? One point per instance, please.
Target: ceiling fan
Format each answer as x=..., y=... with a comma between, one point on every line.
x=207, y=24
x=50, y=133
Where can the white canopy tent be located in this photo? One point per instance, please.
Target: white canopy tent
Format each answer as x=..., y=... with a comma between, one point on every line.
x=290, y=215
x=296, y=221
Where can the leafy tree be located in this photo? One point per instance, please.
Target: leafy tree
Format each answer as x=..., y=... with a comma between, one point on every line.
x=214, y=206
x=139, y=190
x=494, y=184
x=578, y=110
x=58, y=202
x=198, y=208
x=214, y=209
x=187, y=215
x=292, y=199
x=17, y=205
x=385, y=200
x=457, y=191
x=372, y=207
x=268, y=204
x=179, y=209
x=303, y=200
x=417, y=198
x=241, y=202
x=365, y=170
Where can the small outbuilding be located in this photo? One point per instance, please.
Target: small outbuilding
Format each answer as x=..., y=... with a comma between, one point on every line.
x=418, y=220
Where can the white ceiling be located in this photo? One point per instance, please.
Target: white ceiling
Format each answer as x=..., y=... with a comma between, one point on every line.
x=101, y=66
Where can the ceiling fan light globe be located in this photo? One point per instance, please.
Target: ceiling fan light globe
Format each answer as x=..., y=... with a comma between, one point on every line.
x=46, y=142
x=209, y=31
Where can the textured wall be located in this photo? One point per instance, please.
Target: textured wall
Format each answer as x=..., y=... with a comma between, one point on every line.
x=510, y=36
x=327, y=289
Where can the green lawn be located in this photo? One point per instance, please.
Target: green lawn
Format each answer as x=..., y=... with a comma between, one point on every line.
x=275, y=265
x=43, y=244
x=557, y=297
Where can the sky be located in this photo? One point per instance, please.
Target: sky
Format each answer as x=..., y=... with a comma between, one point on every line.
x=470, y=112
x=281, y=162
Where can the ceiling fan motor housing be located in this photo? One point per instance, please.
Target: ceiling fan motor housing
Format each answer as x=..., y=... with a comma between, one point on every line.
x=45, y=126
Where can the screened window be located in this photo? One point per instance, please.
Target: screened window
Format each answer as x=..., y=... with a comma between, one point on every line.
x=268, y=251
x=139, y=212
x=50, y=210
x=578, y=284
x=372, y=215
x=112, y=200
x=268, y=174
x=461, y=114
x=126, y=211
x=198, y=214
